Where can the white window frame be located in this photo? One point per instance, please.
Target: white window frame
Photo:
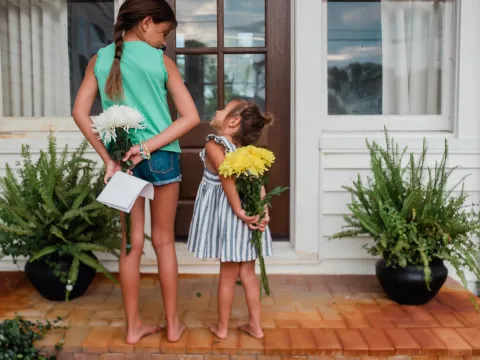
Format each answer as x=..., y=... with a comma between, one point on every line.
x=367, y=123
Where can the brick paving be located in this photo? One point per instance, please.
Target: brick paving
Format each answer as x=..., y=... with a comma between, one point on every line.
x=306, y=318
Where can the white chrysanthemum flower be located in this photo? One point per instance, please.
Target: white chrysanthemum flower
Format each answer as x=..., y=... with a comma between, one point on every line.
x=117, y=116
x=69, y=288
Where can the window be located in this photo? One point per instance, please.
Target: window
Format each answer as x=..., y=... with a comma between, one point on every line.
x=390, y=58
x=45, y=47
x=221, y=54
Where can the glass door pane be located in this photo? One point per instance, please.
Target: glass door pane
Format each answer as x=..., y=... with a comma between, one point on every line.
x=244, y=23
x=197, y=23
x=245, y=78
x=200, y=76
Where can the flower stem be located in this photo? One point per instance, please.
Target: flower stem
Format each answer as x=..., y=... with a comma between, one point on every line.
x=128, y=232
x=263, y=275
x=257, y=241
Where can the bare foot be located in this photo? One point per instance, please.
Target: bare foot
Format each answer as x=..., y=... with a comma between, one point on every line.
x=174, y=333
x=256, y=333
x=221, y=334
x=134, y=336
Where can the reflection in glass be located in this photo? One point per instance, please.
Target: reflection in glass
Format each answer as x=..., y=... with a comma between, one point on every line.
x=90, y=29
x=200, y=75
x=197, y=23
x=245, y=78
x=384, y=57
x=244, y=23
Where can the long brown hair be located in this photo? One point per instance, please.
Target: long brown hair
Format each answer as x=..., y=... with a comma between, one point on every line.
x=252, y=122
x=130, y=14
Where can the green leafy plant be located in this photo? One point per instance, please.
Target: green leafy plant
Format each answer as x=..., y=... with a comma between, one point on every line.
x=411, y=213
x=18, y=337
x=49, y=210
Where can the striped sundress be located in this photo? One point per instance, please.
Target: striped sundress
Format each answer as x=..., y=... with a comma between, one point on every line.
x=215, y=231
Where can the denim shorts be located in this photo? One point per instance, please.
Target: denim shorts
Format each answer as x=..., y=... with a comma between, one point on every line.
x=163, y=168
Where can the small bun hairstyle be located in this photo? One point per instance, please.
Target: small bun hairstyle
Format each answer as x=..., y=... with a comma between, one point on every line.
x=252, y=122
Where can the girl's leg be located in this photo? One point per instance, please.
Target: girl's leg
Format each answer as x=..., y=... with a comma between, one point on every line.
x=163, y=210
x=130, y=275
x=251, y=284
x=226, y=291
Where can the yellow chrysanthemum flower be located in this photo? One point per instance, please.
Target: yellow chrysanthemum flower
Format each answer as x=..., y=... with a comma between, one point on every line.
x=247, y=160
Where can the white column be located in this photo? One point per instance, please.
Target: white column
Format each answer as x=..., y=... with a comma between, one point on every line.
x=468, y=124
x=62, y=73
x=49, y=62
x=37, y=49
x=117, y=3
x=4, y=72
x=26, y=58
x=14, y=59
x=310, y=107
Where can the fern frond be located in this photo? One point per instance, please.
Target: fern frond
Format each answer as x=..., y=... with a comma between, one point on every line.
x=44, y=252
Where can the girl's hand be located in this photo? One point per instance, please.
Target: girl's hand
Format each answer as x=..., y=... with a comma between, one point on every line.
x=134, y=150
x=249, y=220
x=111, y=167
x=263, y=224
x=137, y=159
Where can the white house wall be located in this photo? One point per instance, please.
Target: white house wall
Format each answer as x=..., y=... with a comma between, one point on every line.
x=327, y=160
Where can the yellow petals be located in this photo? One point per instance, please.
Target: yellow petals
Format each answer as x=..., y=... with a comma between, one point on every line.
x=248, y=160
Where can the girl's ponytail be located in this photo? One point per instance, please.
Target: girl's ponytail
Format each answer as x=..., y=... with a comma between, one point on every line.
x=130, y=14
x=114, y=86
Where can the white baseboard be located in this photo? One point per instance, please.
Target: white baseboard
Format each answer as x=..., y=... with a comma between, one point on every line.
x=285, y=261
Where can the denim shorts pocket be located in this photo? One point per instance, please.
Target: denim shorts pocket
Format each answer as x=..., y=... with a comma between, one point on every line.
x=161, y=162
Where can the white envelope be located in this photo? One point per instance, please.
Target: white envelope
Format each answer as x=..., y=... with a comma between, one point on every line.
x=123, y=190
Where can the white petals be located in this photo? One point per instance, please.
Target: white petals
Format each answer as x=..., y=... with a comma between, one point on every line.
x=117, y=116
x=69, y=288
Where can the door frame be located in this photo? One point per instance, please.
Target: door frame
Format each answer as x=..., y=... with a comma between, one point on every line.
x=278, y=95
x=300, y=237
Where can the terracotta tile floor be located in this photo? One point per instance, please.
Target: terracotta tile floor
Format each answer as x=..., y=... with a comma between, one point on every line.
x=327, y=316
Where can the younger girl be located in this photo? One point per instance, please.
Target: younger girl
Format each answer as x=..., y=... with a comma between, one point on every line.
x=220, y=227
x=134, y=71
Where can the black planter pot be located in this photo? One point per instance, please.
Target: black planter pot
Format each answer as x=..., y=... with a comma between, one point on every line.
x=49, y=286
x=406, y=286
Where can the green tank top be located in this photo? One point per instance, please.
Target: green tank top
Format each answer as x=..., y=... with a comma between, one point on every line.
x=144, y=78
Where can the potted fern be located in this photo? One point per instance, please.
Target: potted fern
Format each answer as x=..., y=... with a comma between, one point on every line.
x=49, y=215
x=416, y=221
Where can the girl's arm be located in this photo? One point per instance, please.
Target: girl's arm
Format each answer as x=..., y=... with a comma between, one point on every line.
x=81, y=114
x=82, y=107
x=216, y=154
x=185, y=106
x=266, y=219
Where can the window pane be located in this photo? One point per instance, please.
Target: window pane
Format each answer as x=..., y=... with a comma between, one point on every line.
x=384, y=57
x=91, y=28
x=245, y=78
x=197, y=23
x=44, y=51
x=200, y=75
x=244, y=23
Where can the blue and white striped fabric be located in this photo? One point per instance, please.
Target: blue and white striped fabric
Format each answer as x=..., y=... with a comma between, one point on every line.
x=215, y=231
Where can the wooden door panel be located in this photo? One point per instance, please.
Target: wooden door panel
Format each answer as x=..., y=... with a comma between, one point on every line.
x=192, y=168
x=196, y=138
x=182, y=223
x=276, y=55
